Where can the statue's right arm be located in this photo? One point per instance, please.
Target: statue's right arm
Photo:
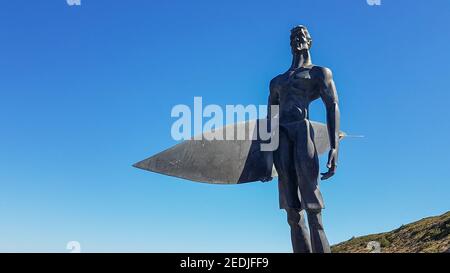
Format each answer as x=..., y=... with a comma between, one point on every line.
x=273, y=100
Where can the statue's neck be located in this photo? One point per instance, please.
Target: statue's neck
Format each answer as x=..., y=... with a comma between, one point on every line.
x=301, y=59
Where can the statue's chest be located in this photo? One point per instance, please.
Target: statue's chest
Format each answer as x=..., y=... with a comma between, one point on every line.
x=298, y=83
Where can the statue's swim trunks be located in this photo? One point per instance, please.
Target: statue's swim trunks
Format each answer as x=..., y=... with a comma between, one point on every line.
x=297, y=165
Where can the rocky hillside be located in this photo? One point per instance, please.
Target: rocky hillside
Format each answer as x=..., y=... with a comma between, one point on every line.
x=429, y=235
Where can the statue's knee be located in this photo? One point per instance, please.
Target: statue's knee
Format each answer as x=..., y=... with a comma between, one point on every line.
x=293, y=217
x=315, y=219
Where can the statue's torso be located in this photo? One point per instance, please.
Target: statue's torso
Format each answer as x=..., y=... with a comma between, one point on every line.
x=296, y=89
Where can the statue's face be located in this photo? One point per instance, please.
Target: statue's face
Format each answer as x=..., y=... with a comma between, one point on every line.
x=300, y=39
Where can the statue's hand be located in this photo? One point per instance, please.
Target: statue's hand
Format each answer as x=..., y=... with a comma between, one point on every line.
x=331, y=165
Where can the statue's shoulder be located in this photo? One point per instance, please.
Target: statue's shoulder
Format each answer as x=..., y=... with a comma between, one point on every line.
x=278, y=78
x=275, y=82
x=321, y=72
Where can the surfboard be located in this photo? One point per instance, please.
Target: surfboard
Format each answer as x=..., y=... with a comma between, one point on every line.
x=215, y=161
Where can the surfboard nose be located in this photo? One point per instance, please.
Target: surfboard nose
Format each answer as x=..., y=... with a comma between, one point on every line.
x=159, y=163
x=139, y=165
x=143, y=165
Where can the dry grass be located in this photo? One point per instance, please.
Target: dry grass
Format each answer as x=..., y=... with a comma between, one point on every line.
x=429, y=235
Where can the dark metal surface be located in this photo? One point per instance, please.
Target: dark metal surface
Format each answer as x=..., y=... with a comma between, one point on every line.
x=296, y=159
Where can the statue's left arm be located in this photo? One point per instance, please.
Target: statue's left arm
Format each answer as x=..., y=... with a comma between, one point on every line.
x=329, y=97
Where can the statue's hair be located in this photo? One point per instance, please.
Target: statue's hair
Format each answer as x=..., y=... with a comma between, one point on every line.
x=298, y=28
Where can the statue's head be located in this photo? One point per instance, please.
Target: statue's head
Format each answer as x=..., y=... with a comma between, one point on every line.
x=300, y=39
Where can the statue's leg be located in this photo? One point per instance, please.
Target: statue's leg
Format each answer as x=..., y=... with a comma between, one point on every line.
x=307, y=167
x=319, y=241
x=289, y=193
x=299, y=231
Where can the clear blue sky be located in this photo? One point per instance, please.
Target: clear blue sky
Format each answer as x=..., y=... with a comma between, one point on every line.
x=87, y=91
